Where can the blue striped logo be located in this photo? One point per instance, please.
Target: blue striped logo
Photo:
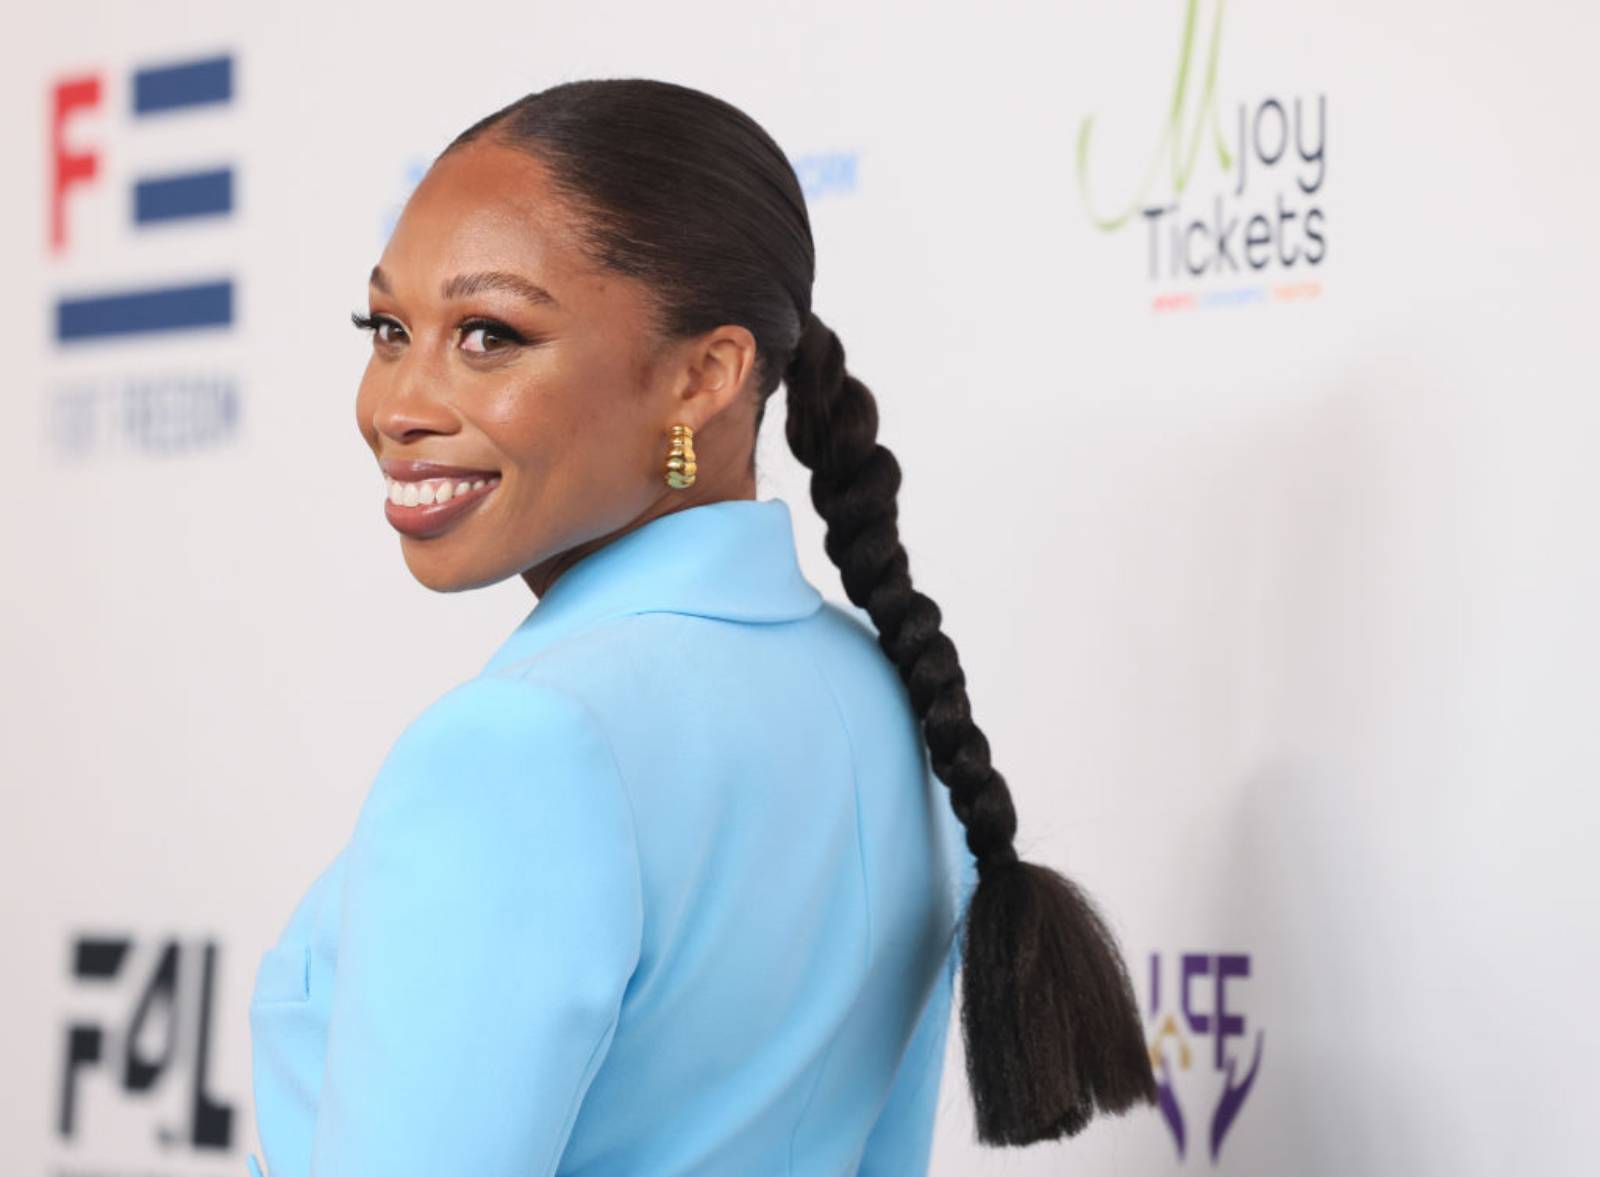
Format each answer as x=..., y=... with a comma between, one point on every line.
x=165, y=203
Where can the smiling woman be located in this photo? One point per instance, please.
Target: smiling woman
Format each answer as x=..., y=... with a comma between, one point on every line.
x=680, y=882
x=498, y=346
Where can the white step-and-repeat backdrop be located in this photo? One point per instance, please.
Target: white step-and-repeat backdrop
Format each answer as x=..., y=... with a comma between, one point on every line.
x=1241, y=359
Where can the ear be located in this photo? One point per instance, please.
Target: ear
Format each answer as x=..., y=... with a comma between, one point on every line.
x=717, y=370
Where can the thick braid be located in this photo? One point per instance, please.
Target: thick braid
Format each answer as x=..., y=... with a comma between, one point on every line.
x=1050, y=1024
x=854, y=486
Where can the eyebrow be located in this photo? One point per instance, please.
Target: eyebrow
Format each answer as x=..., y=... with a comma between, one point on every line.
x=464, y=284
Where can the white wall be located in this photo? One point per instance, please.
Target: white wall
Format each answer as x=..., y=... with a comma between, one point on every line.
x=1279, y=613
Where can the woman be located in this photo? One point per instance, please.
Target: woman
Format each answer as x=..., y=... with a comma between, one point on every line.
x=668, y=887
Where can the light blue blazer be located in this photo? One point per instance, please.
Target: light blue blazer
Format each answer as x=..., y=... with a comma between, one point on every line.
x=666, y=890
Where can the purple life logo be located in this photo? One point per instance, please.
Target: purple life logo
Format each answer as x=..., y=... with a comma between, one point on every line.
x=1200, y=996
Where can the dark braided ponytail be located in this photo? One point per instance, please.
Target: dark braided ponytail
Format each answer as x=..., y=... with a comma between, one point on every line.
x=686, y=193
x=1048, y=1017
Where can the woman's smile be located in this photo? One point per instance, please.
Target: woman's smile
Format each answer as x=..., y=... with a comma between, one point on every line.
x=426, y=499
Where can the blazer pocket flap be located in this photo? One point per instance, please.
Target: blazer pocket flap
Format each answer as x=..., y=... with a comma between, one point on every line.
x=284, y=974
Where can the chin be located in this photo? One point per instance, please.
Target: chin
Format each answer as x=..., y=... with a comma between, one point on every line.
x=447, y=576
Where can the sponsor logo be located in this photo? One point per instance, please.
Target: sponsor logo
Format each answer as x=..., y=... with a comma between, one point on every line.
x=141, y=1044
x=826, y=173
x=1230, y=201
x=1195, y=1016
x=415, y=169
x=821, y=174
x=114, y=211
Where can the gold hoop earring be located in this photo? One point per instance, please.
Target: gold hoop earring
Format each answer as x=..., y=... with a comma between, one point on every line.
x=680, y=457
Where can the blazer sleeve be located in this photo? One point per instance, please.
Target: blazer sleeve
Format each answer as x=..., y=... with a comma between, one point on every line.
x=492, y=917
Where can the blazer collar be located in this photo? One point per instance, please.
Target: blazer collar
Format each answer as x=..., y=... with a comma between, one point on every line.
x=733, y=559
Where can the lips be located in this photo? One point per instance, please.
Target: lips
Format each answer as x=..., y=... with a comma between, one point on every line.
x=416, y=469
x=451, y=493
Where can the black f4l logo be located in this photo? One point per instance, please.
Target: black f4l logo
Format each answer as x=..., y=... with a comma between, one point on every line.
x=163, y=1007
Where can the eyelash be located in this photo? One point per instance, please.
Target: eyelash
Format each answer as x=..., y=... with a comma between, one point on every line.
x=492, y=326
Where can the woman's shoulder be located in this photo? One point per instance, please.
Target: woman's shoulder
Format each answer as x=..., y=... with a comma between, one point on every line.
x=481, y=745
x=494, y=767
x=490, y=710
x=654, y=658
x=574, y=703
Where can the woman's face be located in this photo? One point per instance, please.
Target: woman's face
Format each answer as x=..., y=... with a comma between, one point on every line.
x=533, y=383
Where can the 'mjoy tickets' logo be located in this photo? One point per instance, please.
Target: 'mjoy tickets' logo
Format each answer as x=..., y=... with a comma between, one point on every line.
x=1199, y=228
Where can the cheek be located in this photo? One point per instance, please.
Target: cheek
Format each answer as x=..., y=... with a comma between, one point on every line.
x=527, y=419
x=571, y=423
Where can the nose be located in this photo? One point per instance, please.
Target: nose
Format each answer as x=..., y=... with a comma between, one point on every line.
x=409, y=404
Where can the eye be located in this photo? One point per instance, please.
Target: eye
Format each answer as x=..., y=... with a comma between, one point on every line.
x=494, y=336
x=376, y=324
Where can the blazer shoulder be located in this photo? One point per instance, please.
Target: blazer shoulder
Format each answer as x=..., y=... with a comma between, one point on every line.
x=497, y=708
x=854, y=624
x=859, y=656
x=597, y=661
x=491, y=741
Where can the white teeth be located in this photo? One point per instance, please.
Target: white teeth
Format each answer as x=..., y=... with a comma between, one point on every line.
x=431, y=491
